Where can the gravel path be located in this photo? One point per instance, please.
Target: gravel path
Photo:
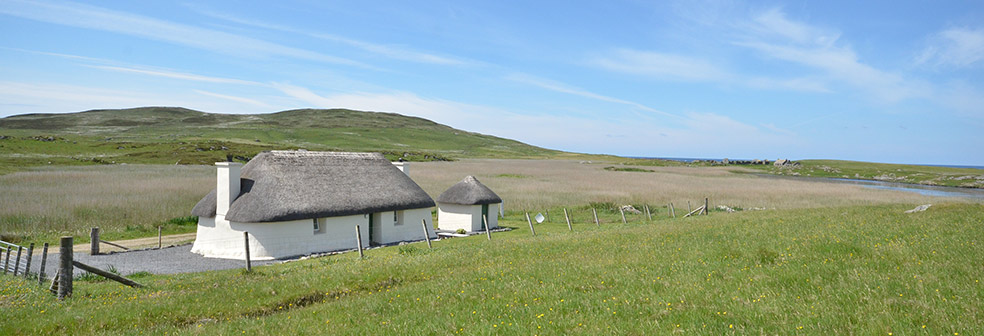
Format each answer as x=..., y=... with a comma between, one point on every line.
x=169, y=260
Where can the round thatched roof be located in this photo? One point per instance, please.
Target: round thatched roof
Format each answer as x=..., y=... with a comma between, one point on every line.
x=289, y=185
x=469, y=192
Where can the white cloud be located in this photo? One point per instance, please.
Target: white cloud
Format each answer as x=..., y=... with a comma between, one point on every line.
x=773, y=35
x=774, y=23
x=955, y=47
x=176, y=75
x=376, y=48
x=564, y=88
x=91, y=17
x=662, y=65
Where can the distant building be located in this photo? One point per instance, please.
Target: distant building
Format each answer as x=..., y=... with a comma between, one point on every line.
x=300, y=202
x=464, y=204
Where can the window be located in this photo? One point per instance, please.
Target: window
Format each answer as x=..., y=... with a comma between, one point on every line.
x=397, y=218
x=317, y=225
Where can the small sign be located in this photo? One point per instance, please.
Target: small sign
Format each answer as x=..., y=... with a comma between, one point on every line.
x=539, y=218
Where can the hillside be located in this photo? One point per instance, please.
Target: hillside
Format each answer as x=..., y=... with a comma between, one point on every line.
x=173, y=135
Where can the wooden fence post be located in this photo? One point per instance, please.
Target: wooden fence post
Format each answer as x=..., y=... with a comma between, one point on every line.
x=30, y=254
x=20, y=249
x=94, y=241
x=107, y=275
x=568, y=218
x=249, y=266
x=488, y=230
x=622, y=211
x=1, y=259
x=423, y=222
x=531, y=224
x=65, y=267
x=689, y=208
x=547, y=212
x=648, y=214
x=672, y=212
x=160, y=239
x=595, y=213
x=705, y=206
x=6, y=261
x=44, y=260
x=358, y=238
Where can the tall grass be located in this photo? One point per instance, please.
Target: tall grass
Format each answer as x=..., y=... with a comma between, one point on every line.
x=128, y=201
x=846, y=270
x=537, y=184
x=119, y=199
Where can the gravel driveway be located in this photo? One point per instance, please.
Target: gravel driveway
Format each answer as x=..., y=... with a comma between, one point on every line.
x=169, y=260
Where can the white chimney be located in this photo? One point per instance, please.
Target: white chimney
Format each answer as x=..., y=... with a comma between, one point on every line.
x=226, y=186
x=403, y=166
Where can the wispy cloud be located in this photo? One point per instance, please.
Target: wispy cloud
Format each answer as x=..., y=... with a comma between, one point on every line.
x=175, y=75
x=954, y=47
x=234, y=98
x=388, y=51
x=28, y=97
x=662, y=65
x=773, y=23
x=92, y=17
x=556, y=86
x=685, y=68
x=715, y=133
x=773, y=35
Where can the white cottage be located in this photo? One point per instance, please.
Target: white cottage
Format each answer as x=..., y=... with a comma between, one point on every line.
x=463, y=205
x=300, y=202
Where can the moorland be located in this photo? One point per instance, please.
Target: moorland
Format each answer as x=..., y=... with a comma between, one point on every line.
x=800, y=256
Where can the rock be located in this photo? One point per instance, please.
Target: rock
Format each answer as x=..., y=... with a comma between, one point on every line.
x=630, y=209
x=781, y=162
x=920, y=208
x=726, y=208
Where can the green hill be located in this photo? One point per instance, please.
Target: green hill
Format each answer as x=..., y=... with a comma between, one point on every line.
x=173, y=135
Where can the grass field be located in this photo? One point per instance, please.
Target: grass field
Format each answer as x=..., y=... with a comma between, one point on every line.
x=130, y=201
x=124, y=201
x=840, y=270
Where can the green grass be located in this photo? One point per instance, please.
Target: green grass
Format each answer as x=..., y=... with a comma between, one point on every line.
x=928, y=175
x=848, y=270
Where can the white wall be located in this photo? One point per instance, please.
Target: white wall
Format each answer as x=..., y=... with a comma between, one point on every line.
x=277, y=239
x=218, y=238
x=386, y=231
x=469, y=217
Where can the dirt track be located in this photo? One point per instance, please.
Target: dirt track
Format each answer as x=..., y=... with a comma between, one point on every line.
x=133, y=244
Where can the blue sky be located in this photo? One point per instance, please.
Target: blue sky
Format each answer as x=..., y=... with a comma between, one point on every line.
x=893, y=81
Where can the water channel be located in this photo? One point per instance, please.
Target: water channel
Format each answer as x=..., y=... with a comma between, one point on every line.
x=972, y=193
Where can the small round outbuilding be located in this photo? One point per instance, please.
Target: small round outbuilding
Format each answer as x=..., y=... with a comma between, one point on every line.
x=464, y=204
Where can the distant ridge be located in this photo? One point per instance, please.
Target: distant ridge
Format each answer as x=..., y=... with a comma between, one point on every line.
x=169, y=135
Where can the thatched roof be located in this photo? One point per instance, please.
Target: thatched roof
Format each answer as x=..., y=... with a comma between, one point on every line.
x=290, y=185
x=469, y=192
